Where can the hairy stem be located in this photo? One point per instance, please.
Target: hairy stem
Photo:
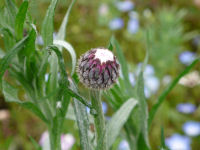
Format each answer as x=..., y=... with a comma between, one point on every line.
x=99, y=120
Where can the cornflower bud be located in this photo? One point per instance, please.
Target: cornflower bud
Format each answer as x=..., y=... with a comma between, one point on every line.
x=98, y=69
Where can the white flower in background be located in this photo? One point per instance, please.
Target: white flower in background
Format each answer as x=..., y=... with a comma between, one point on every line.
x=116, y=24
x=103, y=9
x=125, y=6
x=123, y=145
x=58, y=104
x=133, y=15
x=191, y=128
x=147, y=13
x=187, y=57
x=190, y=80
x=178, y=142
x=67, y=141
x=166, y=79
x=133, y=26
x=186, y=108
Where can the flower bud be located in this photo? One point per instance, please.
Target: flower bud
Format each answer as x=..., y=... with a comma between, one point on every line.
x=98, y=69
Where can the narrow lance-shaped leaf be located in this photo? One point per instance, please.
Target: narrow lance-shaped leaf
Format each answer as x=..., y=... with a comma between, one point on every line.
x=6, y=60
x=62, y=31
x=70, y=49
x=123, y=64
x=11, y=95
x=118, y=120
x=47, y=26
x=82, y=121
x=169, y=88
x=20, y=19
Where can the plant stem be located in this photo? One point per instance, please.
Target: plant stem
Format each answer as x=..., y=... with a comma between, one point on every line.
x=99, y=120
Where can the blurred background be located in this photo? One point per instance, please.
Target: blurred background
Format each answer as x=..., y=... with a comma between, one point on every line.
x=174, y=26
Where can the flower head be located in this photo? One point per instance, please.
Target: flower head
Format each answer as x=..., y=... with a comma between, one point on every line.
x=98, y=68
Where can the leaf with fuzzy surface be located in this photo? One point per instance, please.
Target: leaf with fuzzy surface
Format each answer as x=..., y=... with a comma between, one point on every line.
x=48, y=26
x=118, y=120
x=6, y=60
x=20, y=19
x=11, y=95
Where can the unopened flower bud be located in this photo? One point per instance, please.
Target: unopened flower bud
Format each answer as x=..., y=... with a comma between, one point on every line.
x=98, y=69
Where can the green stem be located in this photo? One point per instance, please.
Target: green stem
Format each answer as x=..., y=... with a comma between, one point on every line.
x=99, y=120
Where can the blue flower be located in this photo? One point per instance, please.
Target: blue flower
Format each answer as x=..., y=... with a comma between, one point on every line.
x=131, y=78
x=152, y=83
x=187, y=57
x=116, y=23
x=148, y=71
x=191, y=128
x=178, y=142
x=133, y=26
x=104, y=107
x=186, y=108
x=123, y=145
x=124, y=6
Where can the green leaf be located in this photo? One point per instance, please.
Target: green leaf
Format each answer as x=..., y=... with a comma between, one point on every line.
x=118, y=120
x=123, y=64
x=82, y=122
x=70, y=49
x=8, y=37
x=10, y=12
x=1, y=53
x=6, y=60
x=143, y=141
x=169, y=88
x=62, y=31
x=35, y=144
x=11, y=95
x=20, y=19
x=48, y=26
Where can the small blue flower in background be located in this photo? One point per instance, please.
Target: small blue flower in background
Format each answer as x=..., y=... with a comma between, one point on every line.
x=187, y=57
x=39, y=40
x=178, y=142
x=104, y=107
x=116, y=23
x=147, y=92
x=196, y=40
x=46, y=77
x=132, y=78
x=191, y=128
x=186, y=108
x=123, y=145
x=148, y=71
x=133, y=26
x=152, y=83
x=125, y=6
